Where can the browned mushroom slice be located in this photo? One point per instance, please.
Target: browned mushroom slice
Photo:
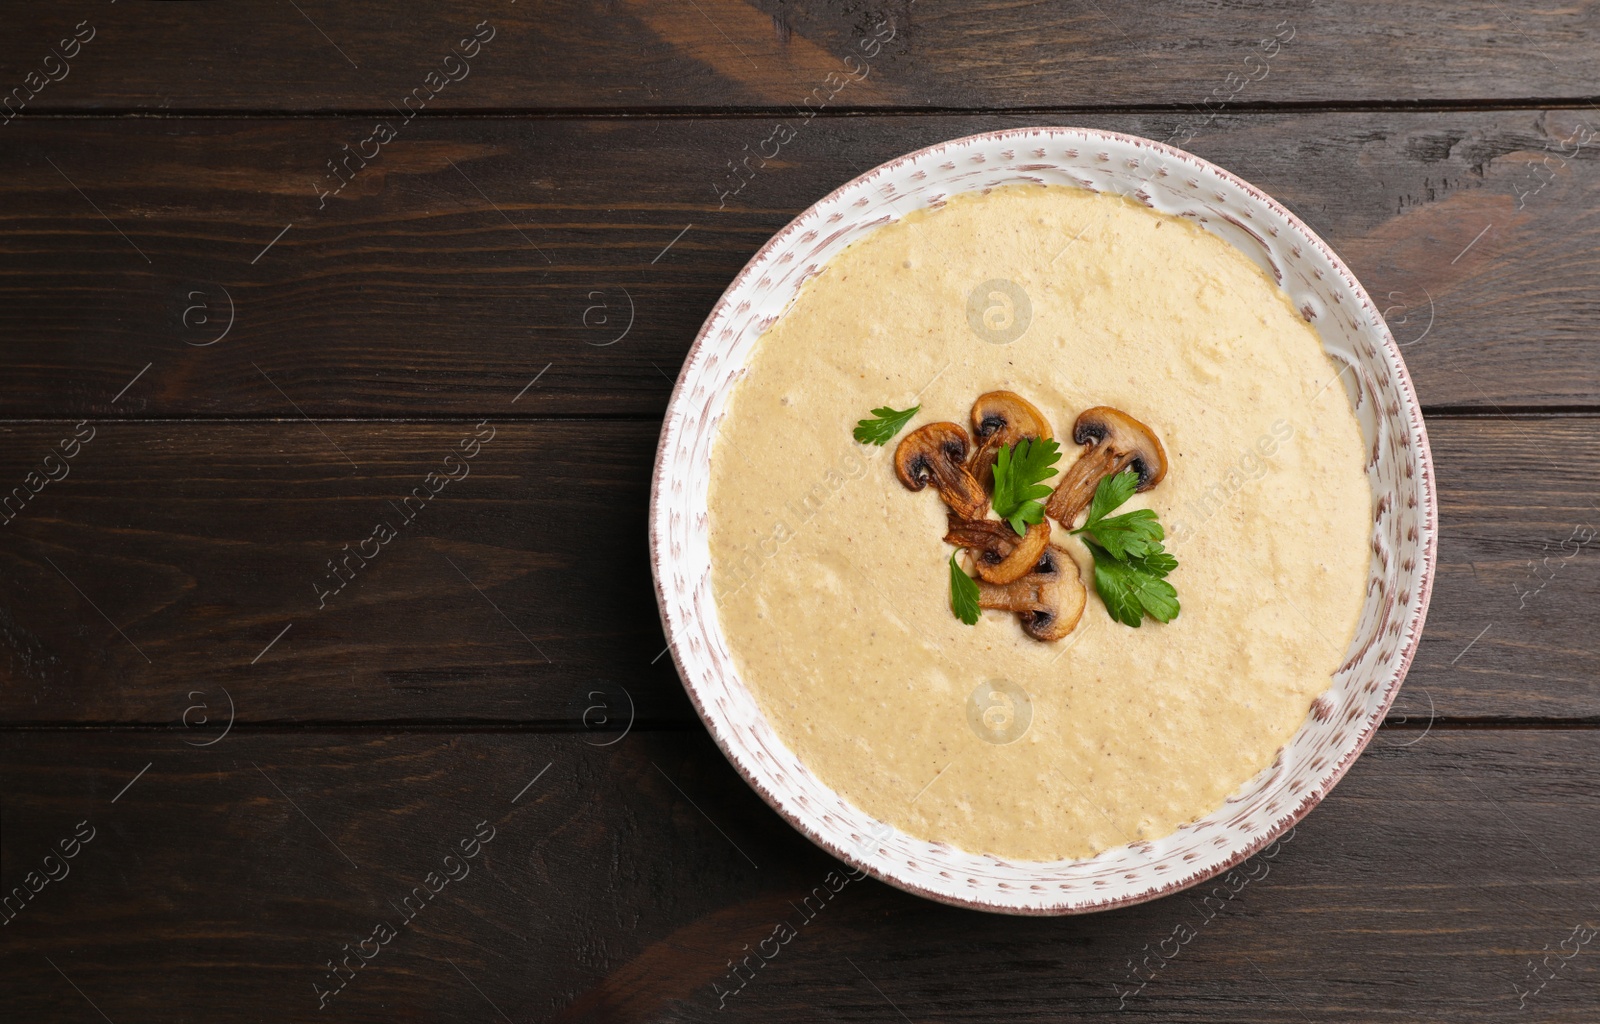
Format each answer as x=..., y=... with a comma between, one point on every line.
x=1000, y=555
x=1000, y=418
x=937, y=453
x=1048, y=601
x=980, y=535
x=1116, y=442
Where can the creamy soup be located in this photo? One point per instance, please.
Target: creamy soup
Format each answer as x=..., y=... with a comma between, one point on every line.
x=832, y=582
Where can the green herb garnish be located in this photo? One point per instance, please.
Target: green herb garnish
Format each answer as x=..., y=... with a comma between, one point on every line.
x=1130, y=565
x=963, y=594
x=1017, y=471
x=1130, y=535
x=884, y=424
x=1134, y=588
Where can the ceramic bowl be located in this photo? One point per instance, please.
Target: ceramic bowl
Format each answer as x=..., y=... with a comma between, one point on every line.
x=1339, y=723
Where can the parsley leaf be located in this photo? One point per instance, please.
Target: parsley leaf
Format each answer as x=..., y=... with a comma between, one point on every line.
x=886, y=423
x=1111, y=492
x=963, y=594
x=1017, y=471
x=1130, y=565
x=1130, y=535
x=1133, y=589
x=1158, y=562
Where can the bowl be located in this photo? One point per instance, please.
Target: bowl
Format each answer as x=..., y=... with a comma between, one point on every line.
x=1340, y=721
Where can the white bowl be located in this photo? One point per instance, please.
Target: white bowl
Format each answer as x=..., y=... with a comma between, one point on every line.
x=1400, y=469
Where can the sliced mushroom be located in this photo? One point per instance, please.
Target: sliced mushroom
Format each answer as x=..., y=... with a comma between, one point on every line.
x=1116, y=442
x=1000, y=555
x=1048, y=601
x=1000, y=418
x=937, y=453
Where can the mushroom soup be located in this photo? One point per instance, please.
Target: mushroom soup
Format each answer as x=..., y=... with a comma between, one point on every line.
x=1131, y=338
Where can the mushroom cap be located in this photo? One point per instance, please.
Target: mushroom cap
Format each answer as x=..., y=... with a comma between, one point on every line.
x=1116, y=441
x=921, y=453
x=1000, y=555
x=1048, y=601
x=1006, y=412
x=1000, y=418
x=936, y=453
x=1068, y=598
x=1136, y=444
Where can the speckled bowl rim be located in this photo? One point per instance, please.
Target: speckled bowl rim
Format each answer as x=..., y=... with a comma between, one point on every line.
x=1428, y=540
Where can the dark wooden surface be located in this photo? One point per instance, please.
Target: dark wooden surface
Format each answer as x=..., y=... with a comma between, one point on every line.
x=516, y=261
x=1444, y=861
x=476, y=252
x=737, y=54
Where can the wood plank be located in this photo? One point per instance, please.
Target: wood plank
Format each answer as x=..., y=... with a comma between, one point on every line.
x=570, y=55
x=477, y=254
x=511, y=593
x=1510, y=630
x=196, y=544
x=225, y=877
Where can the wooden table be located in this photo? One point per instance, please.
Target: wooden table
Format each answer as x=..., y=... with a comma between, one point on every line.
x=232, y=347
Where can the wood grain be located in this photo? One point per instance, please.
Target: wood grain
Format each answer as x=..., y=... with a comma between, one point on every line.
x=195, y=544
x=271, y=360
x=622, y=882
x=720, y=54
x=475, y=255
x=510, y=593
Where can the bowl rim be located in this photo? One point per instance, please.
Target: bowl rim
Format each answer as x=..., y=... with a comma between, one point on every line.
x=1428, y=530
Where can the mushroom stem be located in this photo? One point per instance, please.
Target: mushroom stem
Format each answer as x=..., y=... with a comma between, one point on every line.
x=1076, y=489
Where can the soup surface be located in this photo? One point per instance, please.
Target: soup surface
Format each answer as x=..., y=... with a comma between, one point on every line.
x=831, y=579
